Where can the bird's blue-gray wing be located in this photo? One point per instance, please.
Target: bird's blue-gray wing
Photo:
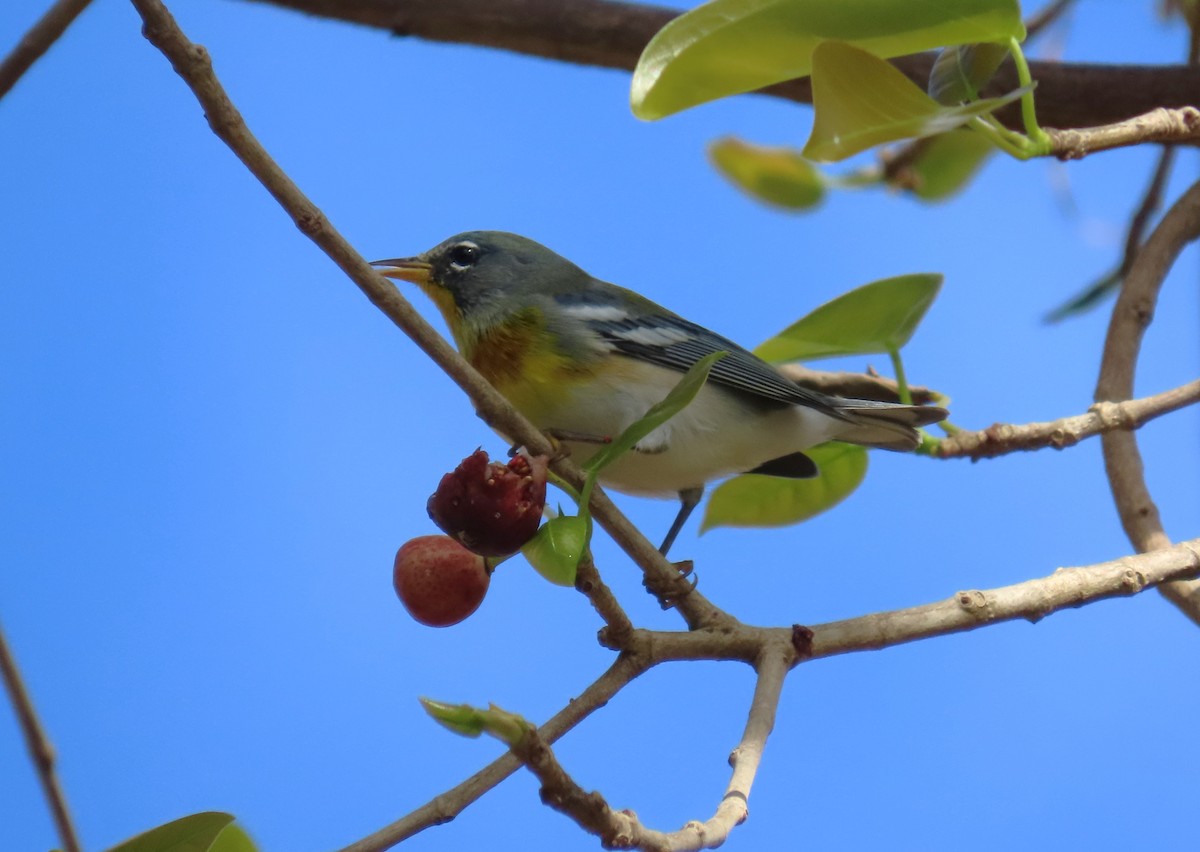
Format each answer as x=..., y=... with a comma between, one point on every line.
x=669, y=340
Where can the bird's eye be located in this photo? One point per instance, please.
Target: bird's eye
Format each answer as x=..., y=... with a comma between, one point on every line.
x=463, y=255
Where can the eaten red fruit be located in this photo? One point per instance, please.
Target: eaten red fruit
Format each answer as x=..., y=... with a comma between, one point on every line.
x=491, y=508
x=438, y=580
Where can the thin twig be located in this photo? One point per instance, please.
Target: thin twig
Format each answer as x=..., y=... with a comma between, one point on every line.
x=1159, y=125
x=448, y=805
x=192, y=63
x=859, y=385
x=40, y=750
x=1134, y=235
x=37, y=41
x=588, y=581
x=1102, y=417
x=622, y=829
x=774, y=662
x=1131, y=315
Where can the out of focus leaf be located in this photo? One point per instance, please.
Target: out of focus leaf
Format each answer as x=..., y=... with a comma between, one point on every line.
x=752, y=500
x=861, y=101
x=726, y=47
x=778, y=176
x=960, y=72
x=194, y=833
x=877, y=317
x=948, y=162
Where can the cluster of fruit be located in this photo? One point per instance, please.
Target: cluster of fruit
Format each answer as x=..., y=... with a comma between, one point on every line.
x=488, y=510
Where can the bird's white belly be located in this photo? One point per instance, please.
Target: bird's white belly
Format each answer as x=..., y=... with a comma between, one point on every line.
x=717, y=435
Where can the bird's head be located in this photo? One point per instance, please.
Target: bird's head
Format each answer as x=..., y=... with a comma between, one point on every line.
x=480, y=273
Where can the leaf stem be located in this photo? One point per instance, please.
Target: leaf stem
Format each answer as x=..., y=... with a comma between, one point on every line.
x=901, y=382
x=1039, y=139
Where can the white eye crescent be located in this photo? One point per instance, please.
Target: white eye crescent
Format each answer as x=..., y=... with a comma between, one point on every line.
x=463, y=255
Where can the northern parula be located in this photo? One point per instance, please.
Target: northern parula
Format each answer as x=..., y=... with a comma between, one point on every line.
x=583, y=359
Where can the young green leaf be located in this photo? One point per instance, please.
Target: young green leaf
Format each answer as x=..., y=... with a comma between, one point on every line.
x=472, y=721
x=777, y=176
x=947, y=163
x=194, y=833
x=555, y=551
x=726, y=47
x=462, y=719
x=861, y=101
x=674, y=402
x=875, y=318
x=752, y=500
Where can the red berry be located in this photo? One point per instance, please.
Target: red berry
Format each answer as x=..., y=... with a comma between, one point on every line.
x=438, y=580
x=491, y=508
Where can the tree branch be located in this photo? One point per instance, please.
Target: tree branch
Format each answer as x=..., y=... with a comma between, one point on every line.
x=1102, y=417
x=1159, y=125
x=612, y=35
x=40, y=750
x=446, y=806
x=1131, y=315
x=1032, y=600
x=192, y=63
x=622, y=829
x=38, y=40
x=860, y=385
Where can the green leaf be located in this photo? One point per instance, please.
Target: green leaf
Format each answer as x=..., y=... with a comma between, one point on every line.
x=233, y=839
x=195, y=833
x=556, y=549
x=753, y=500
x=877, y=317
x=470, y=721
x=777, y=176
x=948, y=162
x=674, y=402
x=462, y=719
x=726, y=47
x=861, y=101
x=960, y=72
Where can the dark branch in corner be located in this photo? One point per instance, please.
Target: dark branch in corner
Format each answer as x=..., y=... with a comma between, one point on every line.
x=612, y=35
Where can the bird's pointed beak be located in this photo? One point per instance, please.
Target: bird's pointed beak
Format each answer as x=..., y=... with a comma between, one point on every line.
x=406, y=269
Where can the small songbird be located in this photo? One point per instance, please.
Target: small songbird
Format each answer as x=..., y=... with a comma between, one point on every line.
x=583, y=359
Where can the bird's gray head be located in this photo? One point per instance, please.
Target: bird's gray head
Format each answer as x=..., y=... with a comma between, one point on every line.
x=481, y=270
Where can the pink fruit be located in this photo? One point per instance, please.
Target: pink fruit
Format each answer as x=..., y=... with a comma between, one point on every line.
x=438, y=580
x=491, y=508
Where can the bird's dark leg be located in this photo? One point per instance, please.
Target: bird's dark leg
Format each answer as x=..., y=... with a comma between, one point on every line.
x=689, y=498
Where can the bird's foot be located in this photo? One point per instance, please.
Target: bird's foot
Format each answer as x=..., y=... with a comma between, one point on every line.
x=672, y=589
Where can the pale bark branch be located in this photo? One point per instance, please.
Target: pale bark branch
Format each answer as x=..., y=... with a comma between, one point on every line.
x=1003, y=438
x=1031, y=600
x=1131, y=315
x=41, y=753
x=1160, y=125
x=623, y=829
x=37, y=41
x=612, y=35
x=192, y=63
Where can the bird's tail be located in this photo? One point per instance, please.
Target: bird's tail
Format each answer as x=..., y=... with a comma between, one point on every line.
x=885, y=425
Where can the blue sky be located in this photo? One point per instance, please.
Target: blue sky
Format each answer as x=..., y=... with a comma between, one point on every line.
x=212, y=446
